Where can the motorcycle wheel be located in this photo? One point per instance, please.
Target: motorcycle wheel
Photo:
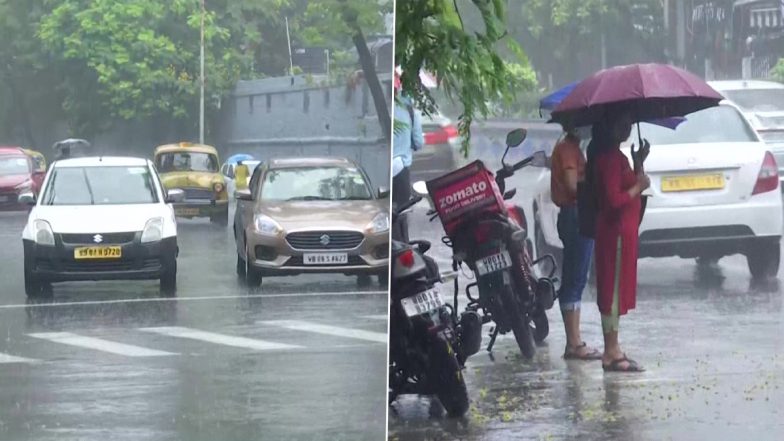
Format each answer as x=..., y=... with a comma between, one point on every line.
x=541, y=327
x=520, y=327
x=446, y=379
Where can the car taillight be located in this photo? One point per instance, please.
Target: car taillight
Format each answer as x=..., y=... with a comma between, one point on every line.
x=768, y=179
x=442, y=135
x=407, y=258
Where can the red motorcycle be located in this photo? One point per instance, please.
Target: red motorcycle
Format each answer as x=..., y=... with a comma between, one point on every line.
x=488, y=234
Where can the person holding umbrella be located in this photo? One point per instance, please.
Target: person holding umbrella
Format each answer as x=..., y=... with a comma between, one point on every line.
x=611, y=200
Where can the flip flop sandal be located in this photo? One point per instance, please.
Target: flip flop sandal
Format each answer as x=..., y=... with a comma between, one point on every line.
x=615, y=365
x=594, y=354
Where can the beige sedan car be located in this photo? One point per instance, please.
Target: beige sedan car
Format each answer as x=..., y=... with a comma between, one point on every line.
x=311, y=215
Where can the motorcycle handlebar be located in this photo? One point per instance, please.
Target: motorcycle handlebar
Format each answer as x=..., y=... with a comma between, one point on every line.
x=396, y=210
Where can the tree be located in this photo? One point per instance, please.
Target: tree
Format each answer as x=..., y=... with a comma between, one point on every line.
x=777, y=73
x=431, y=35
x=137, y=59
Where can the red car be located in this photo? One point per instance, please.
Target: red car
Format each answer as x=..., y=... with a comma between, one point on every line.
x=17, y=176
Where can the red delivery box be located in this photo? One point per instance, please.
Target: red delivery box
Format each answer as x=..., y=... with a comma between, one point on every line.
x=470, y=190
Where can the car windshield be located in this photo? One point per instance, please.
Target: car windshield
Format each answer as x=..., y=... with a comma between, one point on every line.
x=100, y=186
x=187, y=161
x=715, y=124
x=14, y=165
x=315, y=183
x=757, y=100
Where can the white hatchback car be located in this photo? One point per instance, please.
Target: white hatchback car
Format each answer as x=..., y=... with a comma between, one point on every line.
x=714, y=192
x=105, y=218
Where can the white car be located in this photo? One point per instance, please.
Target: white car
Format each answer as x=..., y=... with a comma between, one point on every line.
x=228, y=170
x=714, y=192
x=105, y=218
x=762, y=102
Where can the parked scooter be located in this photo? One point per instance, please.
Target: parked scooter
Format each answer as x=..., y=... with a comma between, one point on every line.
x=427, y=353
x=488, y=234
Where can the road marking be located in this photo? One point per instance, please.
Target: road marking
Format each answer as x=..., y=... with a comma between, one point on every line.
x=99, y=344
x=297, y=325
x=375, y=317
x=6, y=358
x=193, y=299
x=220, y=339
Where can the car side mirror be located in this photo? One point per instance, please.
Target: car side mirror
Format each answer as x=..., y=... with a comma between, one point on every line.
x=243, y=195
x=383, y=193
x=539, y=159
x=26, y=199
x=516, y=137
x=175, y=195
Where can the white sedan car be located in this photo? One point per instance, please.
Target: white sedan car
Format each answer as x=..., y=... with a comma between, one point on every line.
x=100, y=219
x=714, y=192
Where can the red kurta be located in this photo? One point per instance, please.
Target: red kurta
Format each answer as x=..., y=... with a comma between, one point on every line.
x=618, y=215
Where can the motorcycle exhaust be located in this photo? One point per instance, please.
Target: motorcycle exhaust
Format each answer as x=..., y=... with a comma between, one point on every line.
x=469, y=332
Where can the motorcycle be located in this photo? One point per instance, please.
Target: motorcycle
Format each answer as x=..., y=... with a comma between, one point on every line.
x=428, y=347
x=488, y=234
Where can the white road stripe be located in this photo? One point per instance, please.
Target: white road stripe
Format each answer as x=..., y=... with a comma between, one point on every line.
x=220, y=339
x=99, y=344
x=297, y=325
x=375, y=317
x=5, y=358
x=195, y=299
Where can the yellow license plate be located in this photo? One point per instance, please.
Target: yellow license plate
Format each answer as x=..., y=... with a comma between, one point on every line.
x=186, y=211
x=713, y=181
x=97, y=253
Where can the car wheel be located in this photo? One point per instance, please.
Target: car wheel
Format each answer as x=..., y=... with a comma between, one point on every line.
x=252, y=274
x=240, y=266
x=383, y=279
x=363, y=280
x=34, y=288
x=168, y=282
x=221, y=219
x=764, y=259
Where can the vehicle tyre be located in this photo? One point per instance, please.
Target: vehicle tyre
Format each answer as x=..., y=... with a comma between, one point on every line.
x=540, y=327
x=519, y=324
x=168, y=281
x=763, y=259
x=240, y=266
x=446, y=378
x=221, y=219
x=35, y=289
x=252, y=275
x=383, y=279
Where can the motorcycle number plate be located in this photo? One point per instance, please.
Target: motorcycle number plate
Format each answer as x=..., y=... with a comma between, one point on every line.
x=423, y=302
x=493, y=263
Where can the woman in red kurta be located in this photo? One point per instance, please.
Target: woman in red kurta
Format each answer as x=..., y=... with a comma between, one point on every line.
x=618, y=190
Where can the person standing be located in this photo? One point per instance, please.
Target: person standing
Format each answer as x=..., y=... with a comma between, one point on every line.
x=241, y=174
x=408, y=137
x=618, y=211
x=567, y=170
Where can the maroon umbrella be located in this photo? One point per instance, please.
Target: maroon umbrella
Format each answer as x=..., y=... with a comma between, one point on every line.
x=646, y=91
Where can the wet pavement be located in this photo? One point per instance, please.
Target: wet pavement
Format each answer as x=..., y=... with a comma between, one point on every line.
x=301, y=358
x=710, y=338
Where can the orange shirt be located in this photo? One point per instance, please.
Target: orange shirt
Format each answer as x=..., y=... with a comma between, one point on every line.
x=566, y=156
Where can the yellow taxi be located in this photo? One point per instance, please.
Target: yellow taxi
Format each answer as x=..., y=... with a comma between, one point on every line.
x=39, y=161
x=194, y=168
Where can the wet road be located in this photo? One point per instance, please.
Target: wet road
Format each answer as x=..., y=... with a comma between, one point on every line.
x=710, y=338
x=301, y=358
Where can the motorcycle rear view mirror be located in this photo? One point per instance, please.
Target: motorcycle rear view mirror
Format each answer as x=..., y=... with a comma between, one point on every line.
x=516, y=137
x=420, y=188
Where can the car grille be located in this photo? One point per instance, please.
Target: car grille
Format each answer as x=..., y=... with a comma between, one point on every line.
x=312, y=240
x=99, y=265
x=352, y=261
x=105, y=238
x=198, y=193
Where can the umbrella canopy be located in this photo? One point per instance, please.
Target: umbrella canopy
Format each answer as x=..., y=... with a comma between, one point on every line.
x=551, y=101
x=233, y=159
x=645, y=91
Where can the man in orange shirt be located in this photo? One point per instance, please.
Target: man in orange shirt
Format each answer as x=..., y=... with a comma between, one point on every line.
x=567, y=169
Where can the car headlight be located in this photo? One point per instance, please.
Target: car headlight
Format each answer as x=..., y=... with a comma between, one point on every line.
x=24, y=187
x=153, y=230
x=380, y=223
x=266, y=225
x=43, y=233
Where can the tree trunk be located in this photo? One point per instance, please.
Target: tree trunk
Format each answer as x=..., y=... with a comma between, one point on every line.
x=369, y=70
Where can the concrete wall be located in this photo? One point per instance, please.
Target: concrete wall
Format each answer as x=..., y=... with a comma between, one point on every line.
x=296, y=116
